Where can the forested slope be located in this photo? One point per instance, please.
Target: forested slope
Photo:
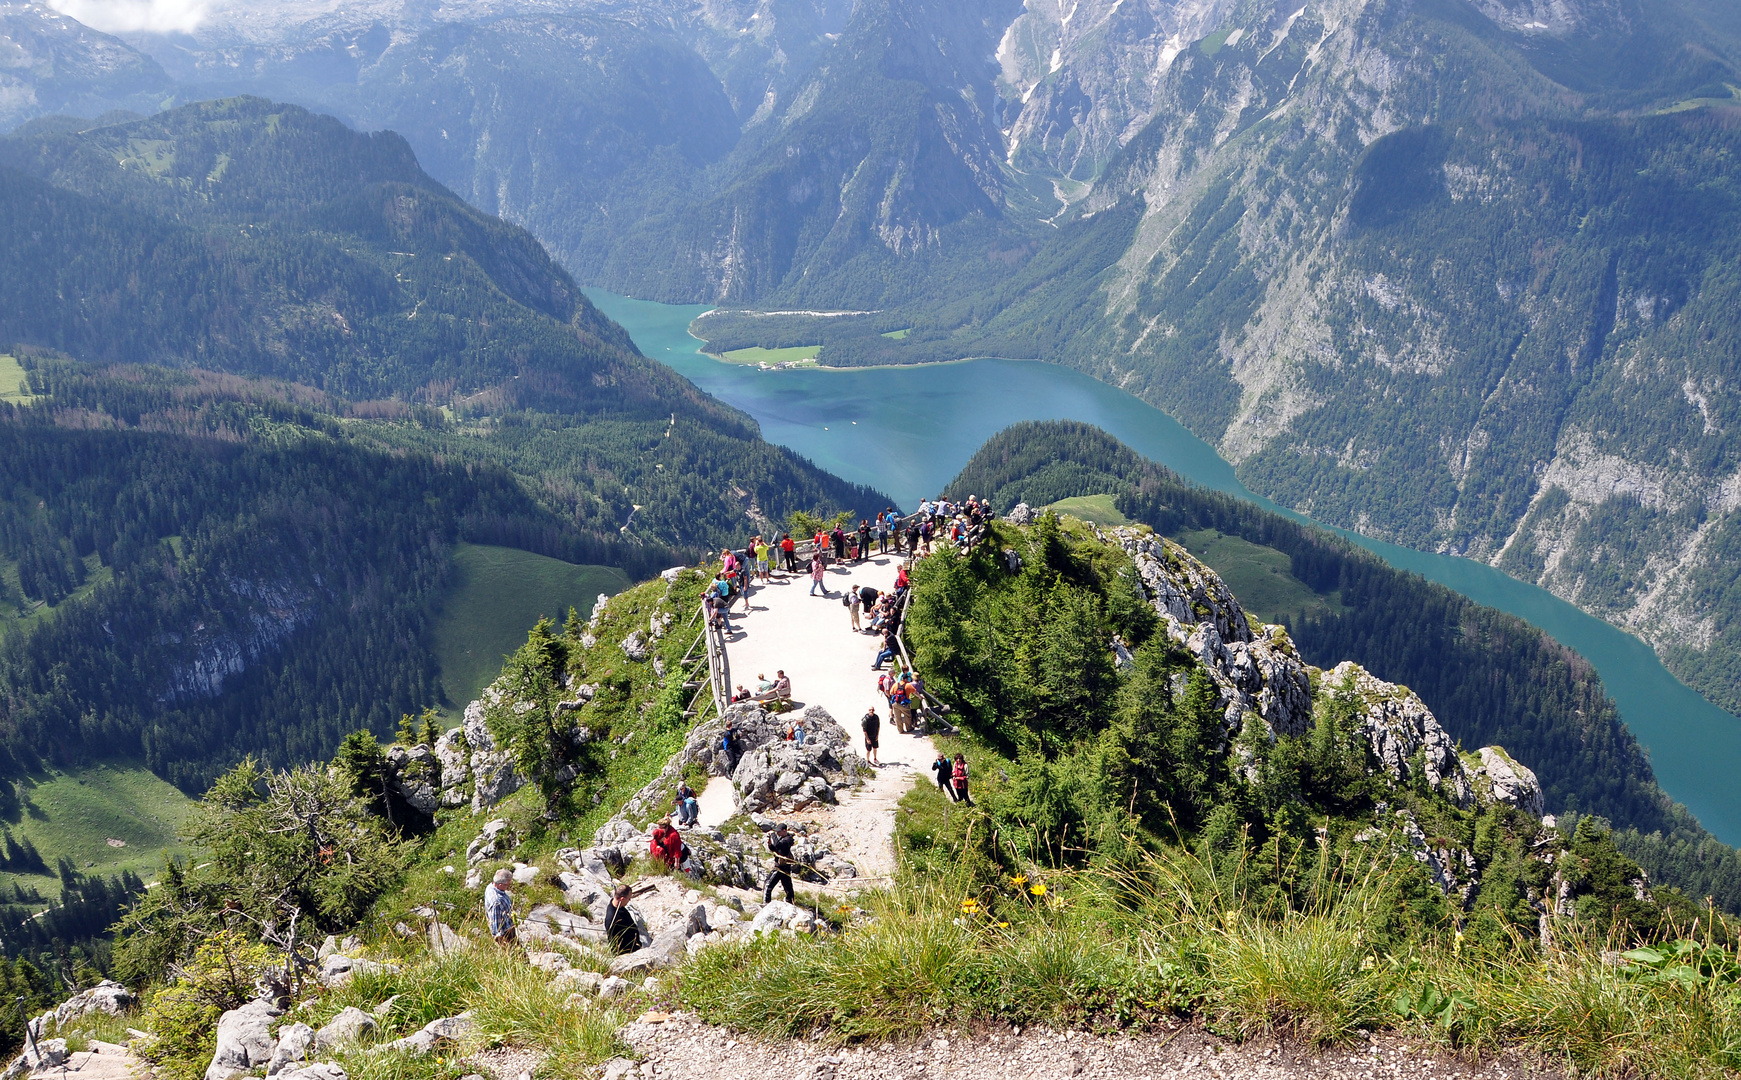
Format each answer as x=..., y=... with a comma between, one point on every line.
x=1491, y=678
x=275, y=372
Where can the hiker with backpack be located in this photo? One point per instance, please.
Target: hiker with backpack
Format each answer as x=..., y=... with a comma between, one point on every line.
x=944, y=769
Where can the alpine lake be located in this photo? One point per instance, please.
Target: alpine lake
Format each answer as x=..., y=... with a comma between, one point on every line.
x=907, y=431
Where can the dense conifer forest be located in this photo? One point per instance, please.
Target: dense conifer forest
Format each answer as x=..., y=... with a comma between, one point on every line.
x=1490, y=677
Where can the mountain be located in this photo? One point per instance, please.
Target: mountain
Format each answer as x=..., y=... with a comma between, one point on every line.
x=50, y=64
x=1489, y=677
x=1165, y=814
x=274, y=373
x=1455, y=274
x=266, y=241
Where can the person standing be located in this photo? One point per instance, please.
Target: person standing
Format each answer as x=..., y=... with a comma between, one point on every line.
x=788, y=551
x=872, y=727
x=816, y=574
x=883, y=533
x=852, y=606
x=762, y=553
x=958, y=776
x=945, y=772
x=620, y=928
x=499, y=907
x=780, y=844
x=864, y=532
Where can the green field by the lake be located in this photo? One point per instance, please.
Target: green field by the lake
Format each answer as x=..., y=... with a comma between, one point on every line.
x=759, y=355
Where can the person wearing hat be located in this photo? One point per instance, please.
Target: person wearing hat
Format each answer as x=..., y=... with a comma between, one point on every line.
x=499, y=907
x=781, y=845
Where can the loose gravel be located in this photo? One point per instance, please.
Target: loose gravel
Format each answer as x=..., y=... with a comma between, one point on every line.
x=683, y=1048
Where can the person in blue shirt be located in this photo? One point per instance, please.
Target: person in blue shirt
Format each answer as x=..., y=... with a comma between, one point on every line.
x=499, y=907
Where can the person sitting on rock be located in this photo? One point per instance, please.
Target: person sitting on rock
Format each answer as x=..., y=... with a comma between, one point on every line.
x=620, y=928
x=742, y=694
x=688, y=809
x=666, y=845
x=499, y=907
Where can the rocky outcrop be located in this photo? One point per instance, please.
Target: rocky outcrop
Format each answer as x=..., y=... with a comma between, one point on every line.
x=766, y=770
x=1452, y=868
x=1502, y=779
x=425, y=1039
x=1403, y=733
x=1256, y=669
x=772, y=772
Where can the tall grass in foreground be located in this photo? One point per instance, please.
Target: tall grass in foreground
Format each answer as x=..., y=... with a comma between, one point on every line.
x=512, y=1004
x=1121, y=950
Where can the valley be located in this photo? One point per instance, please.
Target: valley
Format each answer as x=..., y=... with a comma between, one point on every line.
x=906, y=430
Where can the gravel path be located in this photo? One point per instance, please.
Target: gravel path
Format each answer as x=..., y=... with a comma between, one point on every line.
x=682, y=1048
x=811, y=638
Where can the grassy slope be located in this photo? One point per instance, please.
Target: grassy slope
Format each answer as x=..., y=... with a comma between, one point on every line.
x=1100, y=509
x=1260, y=576
x=11, y=379
x=18, y=612
x=75, y=814
x=496, y=594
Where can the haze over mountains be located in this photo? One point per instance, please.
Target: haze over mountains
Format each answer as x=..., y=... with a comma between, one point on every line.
x=1458, y=274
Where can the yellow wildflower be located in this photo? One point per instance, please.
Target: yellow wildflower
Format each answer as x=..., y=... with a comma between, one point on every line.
x=969, y=906
x=1019, y=880
x=1038, y=888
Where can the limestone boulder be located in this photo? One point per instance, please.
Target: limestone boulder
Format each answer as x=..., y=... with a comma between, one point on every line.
x=244, y=1040
x=320, y=1070
x=350, y=1025
x=291, y=1053
x=106, y=997
x=496, y=838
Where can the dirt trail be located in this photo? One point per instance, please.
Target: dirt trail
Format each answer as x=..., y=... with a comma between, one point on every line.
x=682, y=1048
x=812, y=639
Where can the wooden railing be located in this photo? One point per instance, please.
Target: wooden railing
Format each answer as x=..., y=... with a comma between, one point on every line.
x=712, y=642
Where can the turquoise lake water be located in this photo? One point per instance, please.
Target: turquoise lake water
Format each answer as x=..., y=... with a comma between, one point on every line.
x=908, y=431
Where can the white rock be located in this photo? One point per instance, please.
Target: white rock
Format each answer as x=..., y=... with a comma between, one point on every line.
x=324, y=1070
x=244, y=1040
x=348, y=1026
x=526, y=875
x=292, y=1051
x=1502, y=778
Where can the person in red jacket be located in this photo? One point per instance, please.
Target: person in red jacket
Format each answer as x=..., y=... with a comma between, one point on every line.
x=666, y=845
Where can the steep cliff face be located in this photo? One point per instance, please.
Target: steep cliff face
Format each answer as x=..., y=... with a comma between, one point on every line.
x=1402, y=269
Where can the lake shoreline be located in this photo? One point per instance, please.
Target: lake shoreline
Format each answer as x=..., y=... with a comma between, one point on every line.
x=906, y=430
